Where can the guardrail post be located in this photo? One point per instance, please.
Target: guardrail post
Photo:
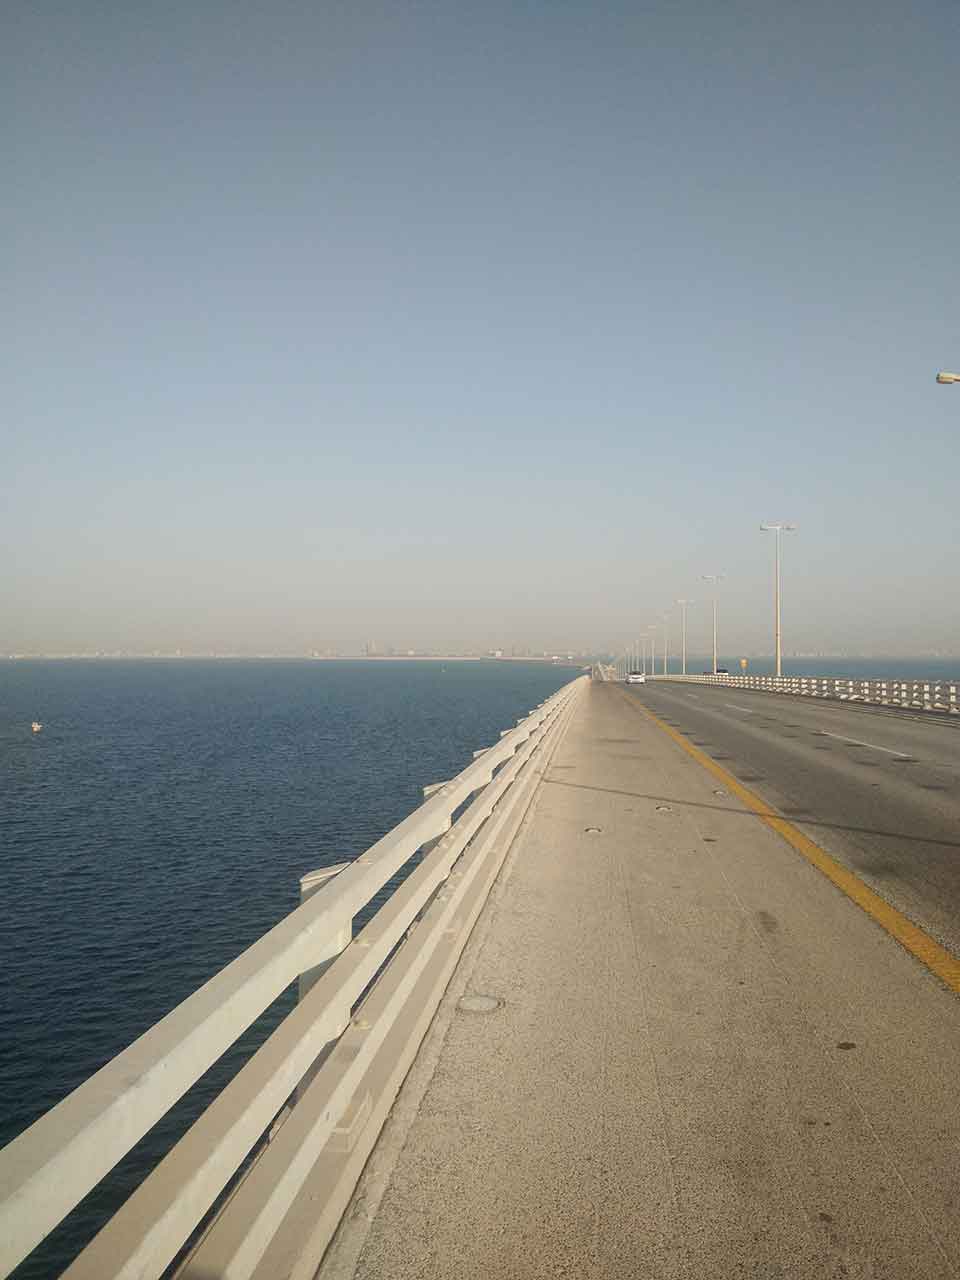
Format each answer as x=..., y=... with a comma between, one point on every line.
x=429, y=790
x=310, y=884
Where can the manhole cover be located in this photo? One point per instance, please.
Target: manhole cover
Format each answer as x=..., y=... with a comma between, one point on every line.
x=479, y=1004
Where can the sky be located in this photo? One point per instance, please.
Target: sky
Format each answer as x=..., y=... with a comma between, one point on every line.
x=478, y=325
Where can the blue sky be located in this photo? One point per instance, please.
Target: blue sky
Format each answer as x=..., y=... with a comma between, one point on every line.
x=485, y=324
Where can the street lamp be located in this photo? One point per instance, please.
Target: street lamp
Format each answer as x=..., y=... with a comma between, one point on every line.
x=652, y=631
x=683, y=633
x=778, y=529
x=945, y=377
x=716, y=579
x=666, y=623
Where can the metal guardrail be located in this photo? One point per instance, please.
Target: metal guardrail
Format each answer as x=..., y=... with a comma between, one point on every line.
x=316, y=1093
x=920, y=695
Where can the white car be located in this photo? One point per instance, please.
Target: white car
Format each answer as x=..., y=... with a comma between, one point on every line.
x=636, y=677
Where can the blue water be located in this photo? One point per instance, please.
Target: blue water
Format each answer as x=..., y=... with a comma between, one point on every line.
x=160, y=823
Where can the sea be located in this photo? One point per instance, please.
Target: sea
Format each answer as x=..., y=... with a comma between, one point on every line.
x=160, y=823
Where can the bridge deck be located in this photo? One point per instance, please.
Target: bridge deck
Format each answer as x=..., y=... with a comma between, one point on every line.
x=707, y=1062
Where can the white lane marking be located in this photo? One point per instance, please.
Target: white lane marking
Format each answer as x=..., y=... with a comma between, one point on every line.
x=748, y=710
x=696, y=696
x=872, y=745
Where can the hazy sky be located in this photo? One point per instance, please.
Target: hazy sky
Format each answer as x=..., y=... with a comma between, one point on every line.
x=494, y=323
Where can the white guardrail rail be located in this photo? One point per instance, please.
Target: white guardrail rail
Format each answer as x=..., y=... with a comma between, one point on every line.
x=920, y=695
x=311, y=1101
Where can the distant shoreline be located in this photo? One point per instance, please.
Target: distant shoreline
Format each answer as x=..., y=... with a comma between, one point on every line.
x=791, y=662
x=287, y=657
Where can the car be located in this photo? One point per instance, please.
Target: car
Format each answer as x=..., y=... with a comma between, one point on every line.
x=636, y=677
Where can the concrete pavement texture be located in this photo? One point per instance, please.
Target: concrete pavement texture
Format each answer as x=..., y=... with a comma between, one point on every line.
x=703, y=1059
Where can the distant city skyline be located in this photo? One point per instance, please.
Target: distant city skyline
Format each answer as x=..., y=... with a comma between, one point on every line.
x=454, y=324
x=695, y=657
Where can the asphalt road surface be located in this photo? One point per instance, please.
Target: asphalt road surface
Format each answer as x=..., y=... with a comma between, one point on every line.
x=878, y=789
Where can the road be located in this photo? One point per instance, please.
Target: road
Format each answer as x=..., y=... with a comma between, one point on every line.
x=878, y=789
x=696, y=1058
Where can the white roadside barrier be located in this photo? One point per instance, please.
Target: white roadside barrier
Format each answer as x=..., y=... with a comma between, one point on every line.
x=920, y=695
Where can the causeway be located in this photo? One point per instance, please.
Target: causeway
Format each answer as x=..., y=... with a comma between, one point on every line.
x=672, y=1048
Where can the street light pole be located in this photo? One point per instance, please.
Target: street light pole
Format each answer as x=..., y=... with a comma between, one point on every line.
x=778, y=529
x=653, y=650
x=715, y=579
x=666, y=620
x=683, y=634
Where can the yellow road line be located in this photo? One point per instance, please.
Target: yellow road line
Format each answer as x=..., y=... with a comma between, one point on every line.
x=937, y=959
